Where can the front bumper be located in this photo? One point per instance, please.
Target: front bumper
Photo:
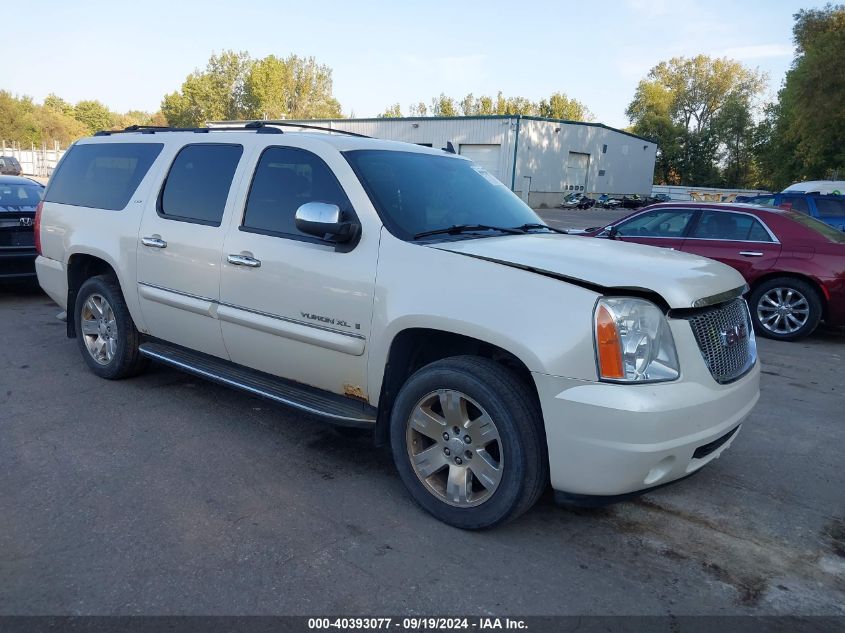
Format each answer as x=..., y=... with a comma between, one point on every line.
x=609, y=439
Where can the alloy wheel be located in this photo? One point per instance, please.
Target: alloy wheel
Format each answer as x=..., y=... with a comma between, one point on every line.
x=454, y=448
x=783, y=310
x=99, y=328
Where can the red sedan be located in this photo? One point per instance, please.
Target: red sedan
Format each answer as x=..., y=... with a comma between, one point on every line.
x=794, y=264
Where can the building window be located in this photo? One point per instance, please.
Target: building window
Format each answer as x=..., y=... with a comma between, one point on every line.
x=601, y=171
x=604, y=149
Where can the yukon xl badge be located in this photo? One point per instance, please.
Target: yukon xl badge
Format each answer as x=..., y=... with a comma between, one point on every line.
x=733, y=335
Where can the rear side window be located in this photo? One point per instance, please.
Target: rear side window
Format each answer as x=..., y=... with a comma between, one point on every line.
x=285, y=179
x=795, y=203
x=738, y=227
x=198, y=183
x=101, y=175
x=831, y=207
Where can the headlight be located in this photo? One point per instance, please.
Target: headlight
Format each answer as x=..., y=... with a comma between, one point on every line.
x=633, y=341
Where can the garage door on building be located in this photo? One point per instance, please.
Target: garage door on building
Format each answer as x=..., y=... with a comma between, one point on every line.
x=485, y=155
x=576, y=171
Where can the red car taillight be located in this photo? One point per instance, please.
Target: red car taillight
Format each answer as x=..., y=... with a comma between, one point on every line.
x=37, y=227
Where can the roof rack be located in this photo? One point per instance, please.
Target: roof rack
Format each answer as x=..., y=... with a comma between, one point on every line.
x=263, y=125
x=155, y=129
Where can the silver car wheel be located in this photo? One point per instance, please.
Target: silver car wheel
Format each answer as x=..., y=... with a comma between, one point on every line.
x=454, y=448
x=99, y=328
x=783, y=310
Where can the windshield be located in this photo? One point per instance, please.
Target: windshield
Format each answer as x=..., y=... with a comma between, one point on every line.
x=415, y=193
x=20, y=195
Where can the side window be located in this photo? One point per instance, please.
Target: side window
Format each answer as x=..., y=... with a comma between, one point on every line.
x=796, y=203
x=830, y=207
x=198, y=183
x=101, y=175
x=658, y=223
x=720, y=225
x=285, y=179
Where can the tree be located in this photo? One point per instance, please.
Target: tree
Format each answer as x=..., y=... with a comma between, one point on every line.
x=443, y=106
x=559, y=106
x=803, y=135
x=214, y=93
x=680, y=106
x=393, y=112
x=294, y=87
x=418, y=109
x=93, y=115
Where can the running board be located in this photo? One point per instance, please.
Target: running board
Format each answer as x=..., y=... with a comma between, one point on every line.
x=335, y=408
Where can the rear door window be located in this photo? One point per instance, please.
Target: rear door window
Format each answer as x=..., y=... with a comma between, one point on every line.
x=285, y=179
x=737, y=227
x=101, y=175
x=198, y=183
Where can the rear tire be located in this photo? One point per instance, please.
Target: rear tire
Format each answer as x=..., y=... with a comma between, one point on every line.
x=105, y=331
x=467, y=439
x=785, y=308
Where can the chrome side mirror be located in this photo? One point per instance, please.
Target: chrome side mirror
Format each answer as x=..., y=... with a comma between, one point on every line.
x=321, y=219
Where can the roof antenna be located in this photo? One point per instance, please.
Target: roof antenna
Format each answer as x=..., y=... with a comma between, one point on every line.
x=449, y=148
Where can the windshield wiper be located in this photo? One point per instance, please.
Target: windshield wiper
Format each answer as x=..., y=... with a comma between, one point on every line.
x=466, y=228
x=536, y=225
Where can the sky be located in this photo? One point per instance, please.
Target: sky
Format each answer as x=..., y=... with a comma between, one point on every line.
x=129, y=55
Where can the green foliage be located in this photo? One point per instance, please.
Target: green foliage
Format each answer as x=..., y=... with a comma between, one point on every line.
x=93, y=115
x=25, y=122
x=803, y=135
x=233, y=86
x=393, y=112
x=443, y=106
x=294, y=88
x=700, y=111
x=557, y=106
x=214, y=93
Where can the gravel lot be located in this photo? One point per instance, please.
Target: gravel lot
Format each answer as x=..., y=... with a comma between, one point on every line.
x=167, y=494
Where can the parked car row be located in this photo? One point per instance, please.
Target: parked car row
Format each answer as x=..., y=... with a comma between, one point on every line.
x=794, y=264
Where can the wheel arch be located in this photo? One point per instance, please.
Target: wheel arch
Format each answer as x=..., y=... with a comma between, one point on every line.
x=81, y=266
x=415, y=347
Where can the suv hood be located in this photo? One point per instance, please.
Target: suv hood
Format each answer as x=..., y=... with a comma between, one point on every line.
x=683, y=280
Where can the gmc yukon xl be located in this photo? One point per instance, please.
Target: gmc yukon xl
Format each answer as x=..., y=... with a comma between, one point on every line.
x=404, y=290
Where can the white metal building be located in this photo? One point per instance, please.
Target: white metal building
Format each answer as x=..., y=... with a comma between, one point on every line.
x=540, y=159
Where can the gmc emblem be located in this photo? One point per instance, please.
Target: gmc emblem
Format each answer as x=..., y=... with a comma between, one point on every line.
x=733, y=335
x=27, y=221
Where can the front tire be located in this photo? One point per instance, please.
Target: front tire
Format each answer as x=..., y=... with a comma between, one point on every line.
x=785, y=308
x=467, y=439
x=105, y=331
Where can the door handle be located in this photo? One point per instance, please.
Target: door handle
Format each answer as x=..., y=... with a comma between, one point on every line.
x=243, y=260
x=751, y=253
x=154, y=242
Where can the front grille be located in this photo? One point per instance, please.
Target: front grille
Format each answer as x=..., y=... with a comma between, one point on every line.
x=726, y=339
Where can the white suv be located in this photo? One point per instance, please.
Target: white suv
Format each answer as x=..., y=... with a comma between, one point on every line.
x=404, y=290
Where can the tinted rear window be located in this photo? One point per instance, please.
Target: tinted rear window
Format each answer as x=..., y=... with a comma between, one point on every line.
x=198, y=183
x=831, y=207
x=101, y=175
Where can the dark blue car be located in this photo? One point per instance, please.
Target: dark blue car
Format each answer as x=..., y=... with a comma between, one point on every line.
x=828, y=208
x=18, y=199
